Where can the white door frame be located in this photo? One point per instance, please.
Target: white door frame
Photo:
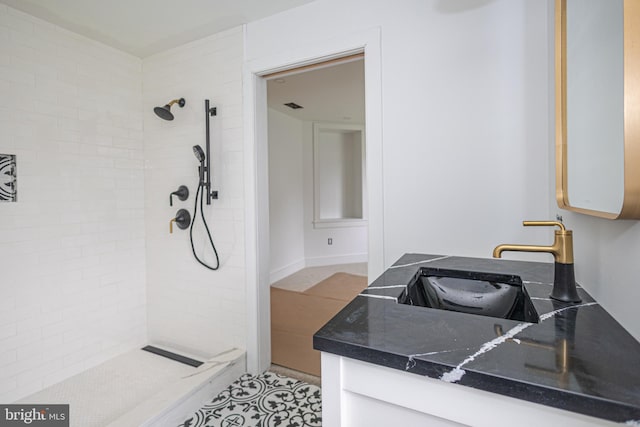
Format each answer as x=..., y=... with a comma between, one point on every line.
x=256, y=172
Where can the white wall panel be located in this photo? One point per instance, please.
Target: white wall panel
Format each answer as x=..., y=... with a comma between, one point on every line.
x=189, y=307
x=72, y=275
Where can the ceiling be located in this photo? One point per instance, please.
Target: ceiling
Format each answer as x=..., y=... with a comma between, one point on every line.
x=145, y=27
x=330, y=94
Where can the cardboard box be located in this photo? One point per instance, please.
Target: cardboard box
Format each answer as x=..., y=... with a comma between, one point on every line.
x=296, y=316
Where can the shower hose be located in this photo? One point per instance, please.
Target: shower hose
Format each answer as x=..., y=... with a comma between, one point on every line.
x=200, y=195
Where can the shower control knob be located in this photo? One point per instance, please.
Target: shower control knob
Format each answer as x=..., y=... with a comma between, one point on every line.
x=182, y=192
x=182, y=219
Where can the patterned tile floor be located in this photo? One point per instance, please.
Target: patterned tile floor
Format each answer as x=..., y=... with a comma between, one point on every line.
x=265, y=400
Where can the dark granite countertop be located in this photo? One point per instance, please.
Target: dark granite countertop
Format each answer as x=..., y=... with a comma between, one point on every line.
x=577, y=358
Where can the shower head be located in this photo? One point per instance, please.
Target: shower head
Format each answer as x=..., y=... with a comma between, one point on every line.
x=197, y=151
x=165, y=112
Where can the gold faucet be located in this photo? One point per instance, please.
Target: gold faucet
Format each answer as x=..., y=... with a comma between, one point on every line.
x=564, y=282
x=562, y=248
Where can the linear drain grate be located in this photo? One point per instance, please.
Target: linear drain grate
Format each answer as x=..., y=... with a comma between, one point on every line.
x=293, y=105
x=173, y=356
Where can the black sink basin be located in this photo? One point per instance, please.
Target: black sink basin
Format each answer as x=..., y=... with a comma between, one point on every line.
x=484, y=294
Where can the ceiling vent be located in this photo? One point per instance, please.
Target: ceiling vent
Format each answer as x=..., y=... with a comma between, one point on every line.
x=293, y=105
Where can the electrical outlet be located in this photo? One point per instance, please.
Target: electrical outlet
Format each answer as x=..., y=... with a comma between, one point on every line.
x=329, y=241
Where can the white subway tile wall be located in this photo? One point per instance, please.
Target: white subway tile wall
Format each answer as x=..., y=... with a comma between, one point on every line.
x=72, y=249
x=189, y=307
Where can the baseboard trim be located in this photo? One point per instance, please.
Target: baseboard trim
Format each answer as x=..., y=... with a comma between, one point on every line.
x=339, y=259
x=287, y=270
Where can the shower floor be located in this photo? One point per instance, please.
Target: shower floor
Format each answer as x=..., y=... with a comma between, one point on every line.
x=127, y=387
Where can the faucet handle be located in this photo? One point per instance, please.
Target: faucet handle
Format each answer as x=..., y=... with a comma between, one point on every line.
x=182, y=192
x=182, y=220
x=545, y=223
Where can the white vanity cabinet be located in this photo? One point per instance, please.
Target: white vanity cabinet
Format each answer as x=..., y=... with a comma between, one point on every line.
x=360, y=394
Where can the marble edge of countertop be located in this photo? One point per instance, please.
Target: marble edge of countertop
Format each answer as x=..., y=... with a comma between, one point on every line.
x=404, y=270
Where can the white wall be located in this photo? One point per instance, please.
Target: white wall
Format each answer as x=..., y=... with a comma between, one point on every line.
x=606, y=263
x=464, y=114
x=467, y=131
x=349, y=244
x=605, y=251
x=463, y=119
x=294, y=242
x=338, y=158
x=72, y=277
x=286, y=231
x=191, y=308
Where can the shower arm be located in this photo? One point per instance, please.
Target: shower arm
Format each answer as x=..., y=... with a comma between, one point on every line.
x=208, y=111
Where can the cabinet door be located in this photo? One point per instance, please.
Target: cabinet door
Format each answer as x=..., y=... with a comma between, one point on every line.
x=367, y=412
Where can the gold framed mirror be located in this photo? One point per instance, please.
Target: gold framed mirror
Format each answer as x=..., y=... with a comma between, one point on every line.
x=597, y=62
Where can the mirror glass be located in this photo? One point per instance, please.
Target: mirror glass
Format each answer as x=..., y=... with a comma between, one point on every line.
x=595, y=104
x=597, y=62
x=338, y=164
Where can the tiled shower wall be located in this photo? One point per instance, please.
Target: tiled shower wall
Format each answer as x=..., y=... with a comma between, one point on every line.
x=72, y=276
x=191, y=308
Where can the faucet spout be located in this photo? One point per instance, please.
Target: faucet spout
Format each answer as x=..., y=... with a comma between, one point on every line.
x=497, y=252
x=564, y=283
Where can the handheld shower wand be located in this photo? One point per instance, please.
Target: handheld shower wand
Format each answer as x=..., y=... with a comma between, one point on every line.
x=197, y=151
x=202, y=188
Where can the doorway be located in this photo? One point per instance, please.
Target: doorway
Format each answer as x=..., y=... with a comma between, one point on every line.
x=317, y=204
x=256, y=173
x=317, y=168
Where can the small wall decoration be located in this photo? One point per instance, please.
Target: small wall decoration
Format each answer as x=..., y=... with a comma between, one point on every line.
x=8, y=178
